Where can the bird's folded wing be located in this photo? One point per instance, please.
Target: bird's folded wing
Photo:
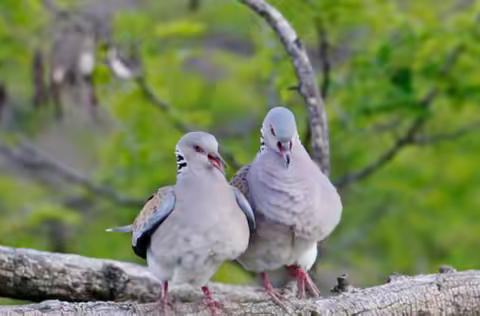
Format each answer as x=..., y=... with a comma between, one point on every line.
x=240, y=180
x=155, y=211
x=245, y=207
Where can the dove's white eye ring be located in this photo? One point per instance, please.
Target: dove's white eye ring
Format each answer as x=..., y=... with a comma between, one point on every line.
x=198, y=149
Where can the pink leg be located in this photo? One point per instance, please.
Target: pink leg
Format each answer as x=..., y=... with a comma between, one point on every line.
x=274, y=295
x=303, y=281
x=212, y=305
x=164, y=302
x=311, y=286
x=165, y=293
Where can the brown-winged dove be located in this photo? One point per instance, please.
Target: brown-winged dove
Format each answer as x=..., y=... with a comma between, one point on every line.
x=187, y=230
x=295, y=204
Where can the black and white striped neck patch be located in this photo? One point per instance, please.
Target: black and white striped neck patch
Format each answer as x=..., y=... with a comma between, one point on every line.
x=181, y=162
x=262, y=140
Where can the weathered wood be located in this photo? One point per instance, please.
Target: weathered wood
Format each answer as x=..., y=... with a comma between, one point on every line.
x=37, y=275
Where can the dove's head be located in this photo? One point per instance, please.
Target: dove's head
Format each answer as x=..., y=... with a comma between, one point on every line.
x=279, y=132
x=199, y=150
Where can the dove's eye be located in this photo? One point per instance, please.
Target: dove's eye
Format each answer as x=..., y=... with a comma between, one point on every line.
x=198, y=149
x=272, y=130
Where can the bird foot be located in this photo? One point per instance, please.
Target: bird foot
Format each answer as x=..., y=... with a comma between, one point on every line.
x=214, y=306
x=311, y=286
x=272, y=292
x=304, y=282
x=164, y=302
x=167, y=309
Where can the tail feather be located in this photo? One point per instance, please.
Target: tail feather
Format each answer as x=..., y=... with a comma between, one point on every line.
x=121, y=229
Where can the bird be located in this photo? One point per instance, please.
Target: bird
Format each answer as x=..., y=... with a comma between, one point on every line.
x=295, y=205
x=186, y=230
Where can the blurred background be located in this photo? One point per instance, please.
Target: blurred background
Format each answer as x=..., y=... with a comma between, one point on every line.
x=95, y=94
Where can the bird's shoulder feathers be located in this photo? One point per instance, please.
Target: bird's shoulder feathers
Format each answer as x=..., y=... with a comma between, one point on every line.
x=154, y=212
x=240, y=181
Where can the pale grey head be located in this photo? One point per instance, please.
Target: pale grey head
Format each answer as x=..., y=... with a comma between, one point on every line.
x=279, y=132
x=198, y=150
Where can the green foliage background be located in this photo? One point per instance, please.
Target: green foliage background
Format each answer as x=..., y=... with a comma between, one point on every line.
x=221, y=67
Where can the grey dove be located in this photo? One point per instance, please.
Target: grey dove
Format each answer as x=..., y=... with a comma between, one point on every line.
x=187, y=230
x=295, y=204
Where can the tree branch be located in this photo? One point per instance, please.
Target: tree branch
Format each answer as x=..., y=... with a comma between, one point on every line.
x=148, y=93
x=3, y=99
x=36, y=275
x=324, y=57
x=308, y=88
x=130, y=68
x=452, y=135
x=179, y=124
x=410, y=134
x=29, y=157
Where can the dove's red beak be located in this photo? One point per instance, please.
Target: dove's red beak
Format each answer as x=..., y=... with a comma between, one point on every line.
x=217, y=161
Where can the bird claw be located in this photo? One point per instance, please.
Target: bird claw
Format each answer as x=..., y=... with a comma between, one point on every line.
x=277, y=298
x=214, y=306
x=304, y=282
x=311, y=286
x=166, y=305
x=167, y=310
x=273, y=293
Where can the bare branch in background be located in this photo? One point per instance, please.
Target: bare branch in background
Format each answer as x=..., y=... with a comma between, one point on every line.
x=388, y=155
x=409, y=136
x=324, y=57
x=194, y=5
x=3, y=98
x=37, y=275
x=38, y=74
x=307, y=88
x=32, y=159
x=440, y=137
x=174, y=119
x=131, y=69
x=75, y=46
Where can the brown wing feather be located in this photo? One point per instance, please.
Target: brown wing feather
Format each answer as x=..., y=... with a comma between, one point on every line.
x=157, y=208
x=240, y=181
x=150, y=207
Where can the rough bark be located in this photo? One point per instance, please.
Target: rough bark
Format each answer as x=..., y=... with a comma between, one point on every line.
x=37, y=275
x=307, y=87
